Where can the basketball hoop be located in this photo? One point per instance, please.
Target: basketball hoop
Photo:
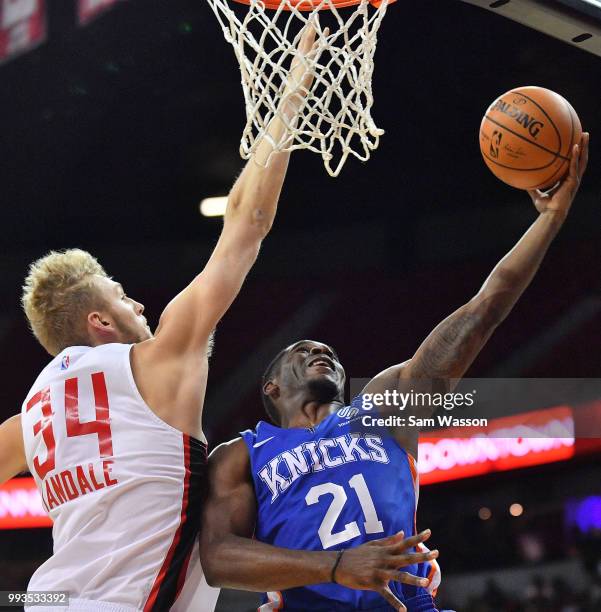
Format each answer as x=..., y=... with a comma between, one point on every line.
x=335, y=116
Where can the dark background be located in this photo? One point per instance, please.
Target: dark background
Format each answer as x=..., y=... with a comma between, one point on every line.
x=111, y=134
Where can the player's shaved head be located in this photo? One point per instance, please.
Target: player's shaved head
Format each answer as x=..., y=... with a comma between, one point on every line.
x=270, y=372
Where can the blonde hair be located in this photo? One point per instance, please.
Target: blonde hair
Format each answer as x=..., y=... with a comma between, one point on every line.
x=58, y=290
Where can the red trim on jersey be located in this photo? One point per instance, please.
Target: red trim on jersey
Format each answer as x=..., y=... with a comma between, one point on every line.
x=176, y=538
x=182, y=575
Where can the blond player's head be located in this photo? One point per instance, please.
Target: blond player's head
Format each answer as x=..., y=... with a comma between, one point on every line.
x=70, y=300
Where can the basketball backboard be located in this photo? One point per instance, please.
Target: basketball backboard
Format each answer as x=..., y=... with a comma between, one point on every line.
x=576, y=22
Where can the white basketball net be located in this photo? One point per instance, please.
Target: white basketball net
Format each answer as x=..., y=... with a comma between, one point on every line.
x=335, y=117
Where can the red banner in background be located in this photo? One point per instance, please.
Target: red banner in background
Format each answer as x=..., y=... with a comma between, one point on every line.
x=90, y=9
x=531, y=438
x=21, y=505
x=22, y=26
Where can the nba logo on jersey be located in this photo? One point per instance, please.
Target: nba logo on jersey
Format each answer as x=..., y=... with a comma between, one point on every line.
x=65, y=362
x=348, y=412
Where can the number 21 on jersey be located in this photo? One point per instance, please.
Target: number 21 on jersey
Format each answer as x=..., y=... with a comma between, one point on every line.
x=371, y=524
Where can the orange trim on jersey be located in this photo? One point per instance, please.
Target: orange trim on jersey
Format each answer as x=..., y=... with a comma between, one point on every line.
x=177, y=536
x=413, y=468
x=434, y=567
x=414, y=475
x=268, y=605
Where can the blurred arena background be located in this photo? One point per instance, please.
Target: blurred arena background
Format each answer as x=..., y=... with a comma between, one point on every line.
x=114, y=129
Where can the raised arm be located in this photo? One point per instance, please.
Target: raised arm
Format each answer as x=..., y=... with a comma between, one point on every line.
x=12, y=452
x=171, y=368
x=231, y=558
x=449, y=350
x=454, y=344
x=189, y=319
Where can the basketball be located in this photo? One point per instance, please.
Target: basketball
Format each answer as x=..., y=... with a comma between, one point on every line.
x=527, y=136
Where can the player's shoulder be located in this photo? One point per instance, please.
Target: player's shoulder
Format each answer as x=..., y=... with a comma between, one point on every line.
x=226, y=449
x=229, y=455
x=229, y=463
x=249, y=438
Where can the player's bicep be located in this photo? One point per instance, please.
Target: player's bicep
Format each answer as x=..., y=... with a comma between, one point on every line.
x=230, y=505
x=387, y=380
x=452, y=346
x=12, y=451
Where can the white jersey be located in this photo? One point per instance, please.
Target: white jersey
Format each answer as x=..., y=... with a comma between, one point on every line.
x=122, y=487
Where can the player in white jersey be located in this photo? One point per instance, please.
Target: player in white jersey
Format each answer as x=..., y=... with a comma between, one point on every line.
x=111, y=429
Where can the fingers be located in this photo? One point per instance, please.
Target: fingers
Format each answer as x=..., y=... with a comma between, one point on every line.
x=536, y=194
x=405, y=578
x=307, y=39
x=411, y=558
x=583, y=162
x=390, y=540
x=579, y=160
x=573, y=173
x=397, y=542
x=390, y=597
x=308, y=52
x=405, y=544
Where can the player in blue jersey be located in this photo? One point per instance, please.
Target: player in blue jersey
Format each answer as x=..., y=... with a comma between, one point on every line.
x=315, y=481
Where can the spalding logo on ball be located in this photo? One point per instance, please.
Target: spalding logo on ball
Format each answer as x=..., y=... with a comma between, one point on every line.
x=527, y=137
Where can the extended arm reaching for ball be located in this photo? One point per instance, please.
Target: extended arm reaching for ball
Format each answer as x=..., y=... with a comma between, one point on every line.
x=449, y=350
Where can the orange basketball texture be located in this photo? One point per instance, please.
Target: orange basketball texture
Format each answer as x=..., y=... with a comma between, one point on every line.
x=527, y=136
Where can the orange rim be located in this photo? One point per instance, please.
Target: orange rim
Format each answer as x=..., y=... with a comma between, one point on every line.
x=309, y=5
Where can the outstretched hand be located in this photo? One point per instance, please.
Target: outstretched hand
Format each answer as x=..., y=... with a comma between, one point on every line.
x=301, y=76
x=559, y=200
x=373, y=565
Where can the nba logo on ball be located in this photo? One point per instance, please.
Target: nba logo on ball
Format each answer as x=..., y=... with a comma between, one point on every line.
x=495, y=144
x=65, y=362
x=527, y=137
x=348, y=412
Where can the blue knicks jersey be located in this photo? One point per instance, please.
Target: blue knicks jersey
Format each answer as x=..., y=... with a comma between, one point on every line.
x=333, y=487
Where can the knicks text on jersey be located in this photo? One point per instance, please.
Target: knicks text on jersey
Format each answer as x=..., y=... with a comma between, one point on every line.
x=332, y=487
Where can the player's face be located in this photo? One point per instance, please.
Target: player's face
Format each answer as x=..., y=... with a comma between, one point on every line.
x=126, y=313
x=314, y=364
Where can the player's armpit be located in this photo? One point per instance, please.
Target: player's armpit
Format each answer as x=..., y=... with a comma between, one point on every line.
x=12, y=452
x=395, y=380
